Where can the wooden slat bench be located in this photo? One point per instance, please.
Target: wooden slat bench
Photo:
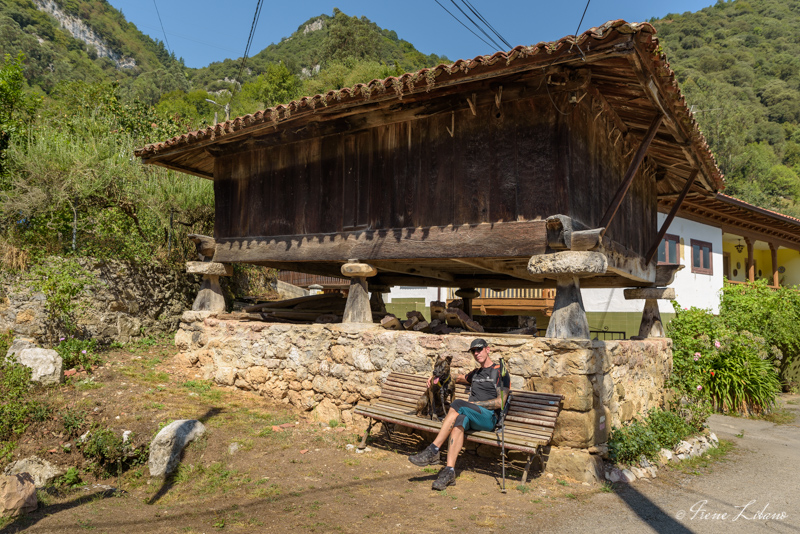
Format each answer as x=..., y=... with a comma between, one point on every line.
x=529, y=422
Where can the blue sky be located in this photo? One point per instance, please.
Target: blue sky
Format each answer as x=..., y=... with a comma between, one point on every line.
x=203, y=31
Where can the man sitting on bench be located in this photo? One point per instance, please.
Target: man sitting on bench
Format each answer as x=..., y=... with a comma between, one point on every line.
x=489, y=387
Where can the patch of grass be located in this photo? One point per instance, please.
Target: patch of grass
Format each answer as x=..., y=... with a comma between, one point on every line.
x=779, y=416
x=430, y=469
x=154, y=406
x=562, y=482
x=607, y=487
x=73, y=420
x=87, y=383
x=792, y=402
x=155, y=376
x=571, y=496
x=523, y=488
x=711, y=456
x=203, y=389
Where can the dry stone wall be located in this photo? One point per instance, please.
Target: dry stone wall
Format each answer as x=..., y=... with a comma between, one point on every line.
x=330, y=368
x=123, y=301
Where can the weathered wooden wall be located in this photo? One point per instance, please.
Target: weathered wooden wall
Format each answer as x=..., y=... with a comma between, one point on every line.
x=522, y=161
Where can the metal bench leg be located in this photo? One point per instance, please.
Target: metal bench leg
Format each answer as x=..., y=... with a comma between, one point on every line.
x=366, y=435
x=527, y=469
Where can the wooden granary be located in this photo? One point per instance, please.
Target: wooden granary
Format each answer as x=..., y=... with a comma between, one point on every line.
x=538, y=167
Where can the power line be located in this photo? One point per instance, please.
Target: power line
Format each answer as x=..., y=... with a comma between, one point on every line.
x=581, y=22
x=256, y=16
x=483, y=19
x=498, y=47
x=467, y=27
x=162, y=27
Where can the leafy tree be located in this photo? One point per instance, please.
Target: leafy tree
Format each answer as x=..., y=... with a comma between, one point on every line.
x=16, y=108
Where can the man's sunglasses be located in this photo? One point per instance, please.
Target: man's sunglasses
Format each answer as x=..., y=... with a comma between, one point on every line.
x=476, y=351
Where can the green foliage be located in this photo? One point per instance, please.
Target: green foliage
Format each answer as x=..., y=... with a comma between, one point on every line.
x=16, y=108
x=78, y=352
x=658, y=429
x=73, y=420
x=714, y=359
x=6, y=339
x=772, y=314
x=108, y=454
x=62, y=281
x=740, y=71
x=17, y=411
x=71, y=479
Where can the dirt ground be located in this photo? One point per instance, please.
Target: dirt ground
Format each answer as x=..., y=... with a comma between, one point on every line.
x=243, y=476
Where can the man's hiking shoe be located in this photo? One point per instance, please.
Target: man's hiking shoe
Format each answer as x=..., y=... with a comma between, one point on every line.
x=427, y=457
x=447, y=477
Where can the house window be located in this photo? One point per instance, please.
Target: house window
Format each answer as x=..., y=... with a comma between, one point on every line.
x=701, y=257
x=668, y=250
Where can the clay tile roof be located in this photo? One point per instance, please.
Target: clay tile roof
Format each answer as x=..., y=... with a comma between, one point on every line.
x=427, y=79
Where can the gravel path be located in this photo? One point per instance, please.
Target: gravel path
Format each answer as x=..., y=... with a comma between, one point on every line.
x=756, y=490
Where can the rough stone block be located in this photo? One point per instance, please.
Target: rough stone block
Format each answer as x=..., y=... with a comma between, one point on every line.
x=42, y=472
x=166, y=447
x=326, y=411
x=209, y=267
x=20, y=344
x=574, y=429
x=574, y=464
x=45, y=364
x=17, y=495
x=577, y=390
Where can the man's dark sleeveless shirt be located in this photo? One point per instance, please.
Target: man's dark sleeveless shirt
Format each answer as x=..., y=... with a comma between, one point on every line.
x=484, y=382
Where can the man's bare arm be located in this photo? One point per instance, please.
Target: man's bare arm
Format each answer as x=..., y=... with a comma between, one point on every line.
x=494, y=404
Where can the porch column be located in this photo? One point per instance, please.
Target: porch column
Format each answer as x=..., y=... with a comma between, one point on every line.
x=751, y=268
x=773, y=250
x=467, y=295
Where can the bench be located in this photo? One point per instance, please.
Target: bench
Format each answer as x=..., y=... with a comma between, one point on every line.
x=527, y=426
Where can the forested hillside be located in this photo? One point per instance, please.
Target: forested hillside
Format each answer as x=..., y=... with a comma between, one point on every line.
x=738, y=63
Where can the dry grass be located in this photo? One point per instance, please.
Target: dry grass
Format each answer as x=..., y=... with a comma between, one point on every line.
x=13, y=258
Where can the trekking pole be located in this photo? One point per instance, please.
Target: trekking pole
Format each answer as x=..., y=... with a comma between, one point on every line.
x=503, y=452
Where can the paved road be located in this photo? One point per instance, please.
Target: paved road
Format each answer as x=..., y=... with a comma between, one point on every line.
x=757, y=490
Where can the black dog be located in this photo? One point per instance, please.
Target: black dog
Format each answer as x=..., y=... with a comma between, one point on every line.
x=442, y=389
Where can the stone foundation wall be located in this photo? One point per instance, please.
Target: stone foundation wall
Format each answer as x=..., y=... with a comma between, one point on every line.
x=330, y=368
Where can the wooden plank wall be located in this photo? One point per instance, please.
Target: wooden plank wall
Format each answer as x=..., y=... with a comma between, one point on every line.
x=521, y=161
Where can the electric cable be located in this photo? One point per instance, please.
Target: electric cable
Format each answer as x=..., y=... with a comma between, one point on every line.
x=483, y=19
x=581, y=22
x=459, y=21
x=253, y=25
x=498, y=47
x=162, y=27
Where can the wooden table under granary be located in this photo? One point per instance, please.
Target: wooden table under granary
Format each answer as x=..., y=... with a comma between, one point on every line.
x=538, y=167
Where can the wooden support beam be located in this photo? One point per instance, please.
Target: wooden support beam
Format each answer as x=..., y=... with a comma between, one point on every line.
x=674, y=211
x=416, y=270
x=629, y=175
x=773, y=250
x=751, y=268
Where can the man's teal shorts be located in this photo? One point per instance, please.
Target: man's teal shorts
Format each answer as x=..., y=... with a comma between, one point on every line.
x=473, y=417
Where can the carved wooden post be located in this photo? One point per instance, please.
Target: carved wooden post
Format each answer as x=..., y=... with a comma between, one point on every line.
x=751, y=266
x=357, y=309
x=651, y=325
x=569, y=316
x=376, y=302
x=210, y=297
x=467, y=295
x=773, y=252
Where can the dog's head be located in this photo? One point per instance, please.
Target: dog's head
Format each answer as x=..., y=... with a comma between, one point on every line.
x=441, y=369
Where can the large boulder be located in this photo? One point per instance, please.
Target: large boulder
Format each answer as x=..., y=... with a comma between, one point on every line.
x=42, y=471
x=326, y=411
x=46, y=365
x=20, y=344
x=17, y=495
x=167, y=446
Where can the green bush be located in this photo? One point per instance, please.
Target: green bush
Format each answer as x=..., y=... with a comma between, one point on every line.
x=734, y=370
x=17, y=411
x=78, y=352
x=73, y=420
x=771, y=314
x=658, y=429
x=108, y=454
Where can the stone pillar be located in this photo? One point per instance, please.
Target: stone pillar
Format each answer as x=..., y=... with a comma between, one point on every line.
x=466, y=295
x=569, y=316
x=210, y=297
x=357, y=309
x=651, y=325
